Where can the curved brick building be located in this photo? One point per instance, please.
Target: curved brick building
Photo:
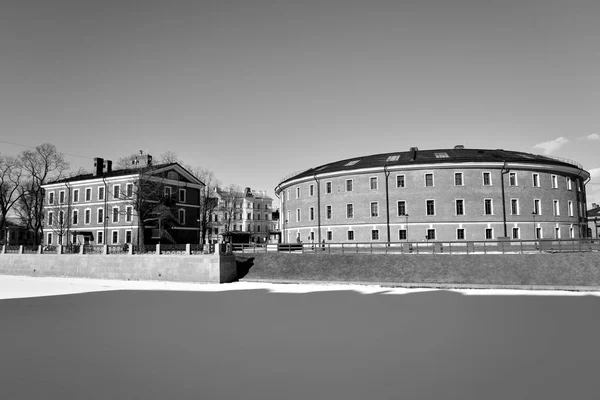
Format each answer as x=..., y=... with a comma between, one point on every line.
x=441, y=195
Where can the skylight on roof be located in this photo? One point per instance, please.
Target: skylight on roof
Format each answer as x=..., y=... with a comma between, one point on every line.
x=393, y=158
x=349, y=163
x=441, y=155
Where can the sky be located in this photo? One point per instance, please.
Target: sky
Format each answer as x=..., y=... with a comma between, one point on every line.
x=255, y=89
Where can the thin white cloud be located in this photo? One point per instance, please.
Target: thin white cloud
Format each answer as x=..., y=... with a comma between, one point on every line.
x=593, y=136
x=552, y=145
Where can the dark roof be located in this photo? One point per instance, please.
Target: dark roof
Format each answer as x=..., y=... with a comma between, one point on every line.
x=456, y=155
x=594, y=212
x=117, y=172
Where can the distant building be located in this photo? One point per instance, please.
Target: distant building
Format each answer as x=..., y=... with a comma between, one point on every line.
x=105, y=206
x=439, y=195
x=593, y=216
x=15, y=234
x=241, y=217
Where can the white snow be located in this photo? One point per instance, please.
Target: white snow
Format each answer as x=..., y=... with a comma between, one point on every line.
x=12, y=287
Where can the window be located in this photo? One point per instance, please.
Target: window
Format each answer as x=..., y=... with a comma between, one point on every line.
x=88, y=194
x=76, y=196
x=401, y=234
x=258, y=216
x=373, y=184
x=571, y=233
x=430, y=234
x=327, y=187
x=297, y=215
x=167, y=192
x=570, y=205
x=428, y=179
x=75, y=217
x=537, y=207
x=289, y=219
x=374, y=209
x=536, y=180
x=61, y=197
x=101, y=193
x=51, y=198
x=311, y=213
x=515, y=233
x=458, y=179
x=115, y=237
x=100, y=215
x=489, y=233
x=61, y=218
x=460, y=207
x=569, y=185
x=349, y=211
x=297, y=192
x=100, y=237
x=115, y=214
x=556, y=207
x=488, y=209
x=514, y=206
x=401, y=207
x=311, y=190
x=128, y=237
x=375, y=234
x=181, y=195
x=400, y=181
x=348, y=185
x=128, y=213
x=328, y=212
x=287, y=195
x=50, y=218
x=557, y=233
x=538, y=233
x=350, y=235
x=129, y=189
x=88, y=216
x=460, y=234
x=512, y=179
x=430, y=207
x=49, y=239
x=487, y=179
x=181, y=215
x=329, y=235
x=554, y=182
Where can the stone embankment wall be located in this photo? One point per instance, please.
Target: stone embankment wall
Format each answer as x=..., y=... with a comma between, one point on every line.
x=178, y=268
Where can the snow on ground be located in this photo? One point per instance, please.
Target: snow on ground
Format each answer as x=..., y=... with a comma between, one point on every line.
x=12, y=287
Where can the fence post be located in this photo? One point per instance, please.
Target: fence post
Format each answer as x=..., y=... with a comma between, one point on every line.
x=59, y=249
x=39, y=250
x=3, y=249
x=82, y=249
x=157, y=249
x=105, y=249
x=21, y=249
x=130, y=248
x=188, y=249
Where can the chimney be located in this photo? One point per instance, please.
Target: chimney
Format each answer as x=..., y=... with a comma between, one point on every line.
x=413, y=153
x=459, y=147
x=98, y=166
x=594, y=205
x=107, y=166
x=247, y=192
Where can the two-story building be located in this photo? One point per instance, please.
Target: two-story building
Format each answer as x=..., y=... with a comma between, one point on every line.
x=160, y=202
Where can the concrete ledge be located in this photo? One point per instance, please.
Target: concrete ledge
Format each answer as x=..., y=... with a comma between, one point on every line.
x=176, y=268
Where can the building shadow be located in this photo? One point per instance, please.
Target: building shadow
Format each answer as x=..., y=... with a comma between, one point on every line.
x=243, y=266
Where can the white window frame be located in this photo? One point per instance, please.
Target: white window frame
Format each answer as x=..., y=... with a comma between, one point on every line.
x=462, y=178
x=100, y=239
x=537, y=206
x=75, y=195
x=510, y=174
x=51, y=196
x=489, y=174
x=486, y=232
x=554, y=180
x=311, y=213
x=298, y=215
x=398, y=208
x=556, y=207
x=518, y=230
x=351, y=185
x=75, y=217
x=85, y=194
x=463, y=233
x=378, y=236
x=371, y=209
x=425, y=179
x=86, y=212
x=329, y=236
x=511, y=207
x=61, y=197
x=102, y=190
x=328, y=211
x=98, y=219
x=376, y=180
x=115, y=215
x=348, y=235
x=403, y=180
x=570, y=206
x=491, y=206
x=426, y=208
x=180, y=213
x=311, y=190
x=287, y=194
x=328, y=187
x=405, y=234
x=49, y=239
x=50, y=218
x=127, y=186
x=350, y=204
x=456, y=206
x=430, y=230
x=182, y=199
x=535, y=178
x=168, y=192
x=569, y=183
x=128, y=213
x=557, y=233
x=112, y=236
x=129, y=233
x=298, y=192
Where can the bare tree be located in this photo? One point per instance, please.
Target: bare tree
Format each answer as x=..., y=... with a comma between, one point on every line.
x=59, y=220
x=10, y=179
x=208, y=202
x=43, y=163
x=231, y=206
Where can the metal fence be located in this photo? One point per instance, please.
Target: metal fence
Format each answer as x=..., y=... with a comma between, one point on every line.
x=449, y=247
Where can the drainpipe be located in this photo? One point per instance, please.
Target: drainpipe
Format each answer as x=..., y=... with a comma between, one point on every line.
x=503, y=171
x=387, y=203
x=318, y=208
x=105, y=210
x=280, y=214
